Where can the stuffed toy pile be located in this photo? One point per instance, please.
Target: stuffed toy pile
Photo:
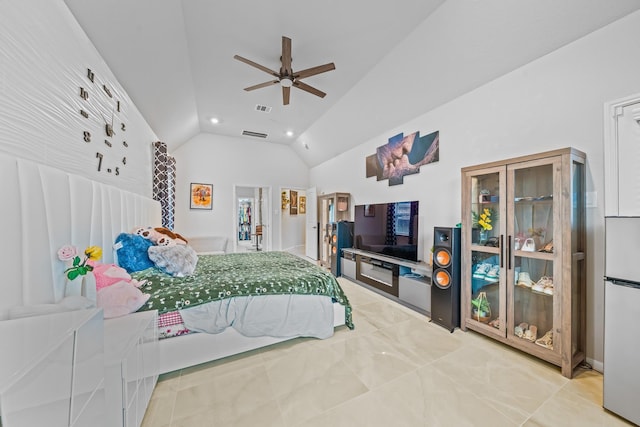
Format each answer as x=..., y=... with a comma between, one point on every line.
x=157, y=247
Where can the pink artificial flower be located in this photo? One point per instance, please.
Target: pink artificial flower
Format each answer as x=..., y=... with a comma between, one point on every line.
x=67, y=253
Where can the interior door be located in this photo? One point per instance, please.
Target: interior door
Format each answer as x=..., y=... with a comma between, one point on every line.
x=311, y=228
x=621, y=153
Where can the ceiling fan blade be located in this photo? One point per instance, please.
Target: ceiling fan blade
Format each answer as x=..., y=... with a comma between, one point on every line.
x=314, y=70
x=309, y=89
x=286, y=94
x=286, y=57
x=256, y=65
x=261, y=85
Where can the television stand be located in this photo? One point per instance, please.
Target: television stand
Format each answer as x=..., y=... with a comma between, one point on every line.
x=407, y=282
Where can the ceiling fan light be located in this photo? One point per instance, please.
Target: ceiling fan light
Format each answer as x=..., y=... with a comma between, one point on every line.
x=286, y=82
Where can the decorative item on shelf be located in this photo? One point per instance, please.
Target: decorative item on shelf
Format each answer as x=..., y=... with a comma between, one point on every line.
x=343, y=204
x=548, y=247
x=529, y=245
x=484, y=196
x=537, y=234
x=483, y=221
x=481, y=308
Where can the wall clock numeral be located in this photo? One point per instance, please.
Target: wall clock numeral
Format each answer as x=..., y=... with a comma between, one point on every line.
x=109, y=170
x=84, y=94
x=99, y=157
x=90, y=74
x=87, y=136
x=123, y=127
x=84, y=114
x=107, y=143
x=125, y=143
x=108, y=129
x=107, y=91
x=124, y=160
x=118, y=107
x=117, y=171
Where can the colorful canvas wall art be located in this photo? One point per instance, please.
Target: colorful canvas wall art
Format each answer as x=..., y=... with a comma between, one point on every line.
x=201, y=196
x=403, y=155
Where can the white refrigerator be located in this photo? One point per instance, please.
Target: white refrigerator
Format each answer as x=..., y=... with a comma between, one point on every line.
x=622, y=317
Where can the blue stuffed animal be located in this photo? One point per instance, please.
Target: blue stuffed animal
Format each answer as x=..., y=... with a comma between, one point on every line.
x=132, y=252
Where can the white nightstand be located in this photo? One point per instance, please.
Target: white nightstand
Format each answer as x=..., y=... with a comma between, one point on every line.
x=51, y=370
x=131, y=366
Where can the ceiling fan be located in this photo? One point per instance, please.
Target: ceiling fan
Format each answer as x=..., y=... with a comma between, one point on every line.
x=287, y=77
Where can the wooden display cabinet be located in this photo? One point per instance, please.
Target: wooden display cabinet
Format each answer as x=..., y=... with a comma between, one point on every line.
x=332, y=208
x=530, y=264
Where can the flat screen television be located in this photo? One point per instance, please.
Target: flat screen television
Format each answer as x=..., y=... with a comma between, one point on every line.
x=387, y=228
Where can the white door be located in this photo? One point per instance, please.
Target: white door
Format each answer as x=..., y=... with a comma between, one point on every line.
x=622, y=155
x=311, y=228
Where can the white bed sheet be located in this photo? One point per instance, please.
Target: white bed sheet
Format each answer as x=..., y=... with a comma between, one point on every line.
x=280, y=316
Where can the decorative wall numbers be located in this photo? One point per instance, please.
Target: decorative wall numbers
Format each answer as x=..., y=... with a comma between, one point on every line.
x=100, y=105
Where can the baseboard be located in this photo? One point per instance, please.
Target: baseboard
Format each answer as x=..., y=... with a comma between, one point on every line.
x=596, y=365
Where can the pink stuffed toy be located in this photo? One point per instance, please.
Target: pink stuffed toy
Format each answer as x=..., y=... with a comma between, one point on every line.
x=117, y=292
x=120, y=299
x=109, y=274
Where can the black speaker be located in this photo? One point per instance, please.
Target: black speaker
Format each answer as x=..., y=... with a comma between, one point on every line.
x=341, y=237
x=445, y=278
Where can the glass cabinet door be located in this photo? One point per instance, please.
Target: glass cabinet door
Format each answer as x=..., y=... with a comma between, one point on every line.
x=487, y=229
x=531, y=226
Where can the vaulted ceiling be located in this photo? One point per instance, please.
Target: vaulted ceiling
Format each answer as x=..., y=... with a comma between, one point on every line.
x=394, y=60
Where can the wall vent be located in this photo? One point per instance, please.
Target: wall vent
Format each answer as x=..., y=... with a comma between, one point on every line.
x=254, y=134
x=263, y=108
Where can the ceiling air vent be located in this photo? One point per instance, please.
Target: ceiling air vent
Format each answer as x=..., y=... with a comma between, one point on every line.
x=254, y=134
x=263, y=108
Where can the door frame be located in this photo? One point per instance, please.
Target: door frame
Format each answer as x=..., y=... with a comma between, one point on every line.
x=613, y=110
x=267, y=220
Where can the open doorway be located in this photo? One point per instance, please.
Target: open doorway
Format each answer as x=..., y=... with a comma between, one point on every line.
x=252, y=221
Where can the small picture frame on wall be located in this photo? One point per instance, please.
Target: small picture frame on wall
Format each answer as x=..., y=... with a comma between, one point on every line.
x=201, y=196
x=293, y=202
x=302, y=205
x=369, y=210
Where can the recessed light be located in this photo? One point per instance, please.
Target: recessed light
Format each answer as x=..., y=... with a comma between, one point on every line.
x=215, y=120
x=289, y=133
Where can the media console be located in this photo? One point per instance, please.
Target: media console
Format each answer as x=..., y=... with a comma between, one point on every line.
x=407, y=282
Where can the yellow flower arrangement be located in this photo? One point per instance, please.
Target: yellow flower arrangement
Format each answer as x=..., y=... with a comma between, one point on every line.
x=484, y=220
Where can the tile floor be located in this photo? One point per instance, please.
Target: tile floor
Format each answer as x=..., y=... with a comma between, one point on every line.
x=394, y=369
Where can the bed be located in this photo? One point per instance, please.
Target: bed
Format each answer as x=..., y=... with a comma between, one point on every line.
x=45, y=208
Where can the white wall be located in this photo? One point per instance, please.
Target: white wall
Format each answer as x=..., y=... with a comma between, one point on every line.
x=44, y=56
x=224, y=162
x=293, y=226
x=554, y=102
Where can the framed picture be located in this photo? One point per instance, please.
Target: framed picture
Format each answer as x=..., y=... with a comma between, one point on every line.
x=369, y=210
x=201, y=196
x=302, y=208
x=293, y=202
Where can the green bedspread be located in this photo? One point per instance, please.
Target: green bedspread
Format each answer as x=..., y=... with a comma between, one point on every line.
x=224, y=276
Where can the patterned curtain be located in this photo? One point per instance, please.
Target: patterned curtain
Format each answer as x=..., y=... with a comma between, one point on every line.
x=164, y=183
x=390, y=238
x=412, y=223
